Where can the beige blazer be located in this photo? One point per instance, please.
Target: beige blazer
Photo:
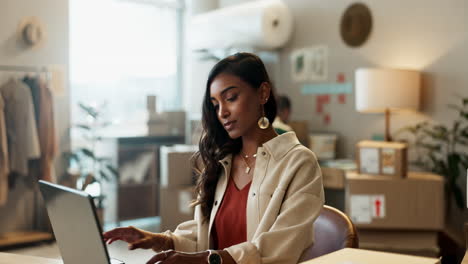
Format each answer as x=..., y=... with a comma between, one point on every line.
x=285, y=198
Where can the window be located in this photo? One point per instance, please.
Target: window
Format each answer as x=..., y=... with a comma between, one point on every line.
x=120, y=52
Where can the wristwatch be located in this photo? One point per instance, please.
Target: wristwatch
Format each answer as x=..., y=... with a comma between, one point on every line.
x=214, y=257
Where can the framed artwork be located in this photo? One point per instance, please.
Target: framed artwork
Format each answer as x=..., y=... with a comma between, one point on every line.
x=310, y=64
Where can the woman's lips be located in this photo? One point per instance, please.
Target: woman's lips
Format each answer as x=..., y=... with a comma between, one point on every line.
x=229, y=125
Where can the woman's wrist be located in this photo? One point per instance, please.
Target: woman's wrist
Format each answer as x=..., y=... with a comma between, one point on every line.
x=162, y=242
x=226, y=258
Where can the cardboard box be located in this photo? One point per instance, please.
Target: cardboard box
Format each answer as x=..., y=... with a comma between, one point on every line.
x=174, y=206
x=361, y=256
x=382, y=158
x=176, y=168
x=323, y=145
x=386, y=202
x=302, y=131
x=418, y=243
x=333, y=178
x=333, y=172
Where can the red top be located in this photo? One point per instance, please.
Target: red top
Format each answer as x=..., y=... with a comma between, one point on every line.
x=230, y=224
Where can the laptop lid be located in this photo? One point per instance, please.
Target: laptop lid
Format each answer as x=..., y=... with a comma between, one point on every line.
x=75, y=224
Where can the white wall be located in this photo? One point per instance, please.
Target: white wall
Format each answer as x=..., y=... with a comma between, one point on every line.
x=53, y=14
x=427, y=35
x=195, y=71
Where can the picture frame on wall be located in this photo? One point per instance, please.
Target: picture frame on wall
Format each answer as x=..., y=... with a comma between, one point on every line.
x=309, y=64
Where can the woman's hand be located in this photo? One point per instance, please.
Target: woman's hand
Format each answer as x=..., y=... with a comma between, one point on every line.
x=175, y=257
x=137, y=238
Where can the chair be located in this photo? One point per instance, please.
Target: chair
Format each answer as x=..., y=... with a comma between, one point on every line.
x=333, y=230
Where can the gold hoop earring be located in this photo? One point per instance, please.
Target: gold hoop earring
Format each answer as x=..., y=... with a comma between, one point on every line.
x=263, y=122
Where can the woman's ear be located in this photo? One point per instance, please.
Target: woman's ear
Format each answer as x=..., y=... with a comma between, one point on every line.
x=265, y=91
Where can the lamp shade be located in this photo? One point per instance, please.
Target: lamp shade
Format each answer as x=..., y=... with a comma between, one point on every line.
x=378, y=90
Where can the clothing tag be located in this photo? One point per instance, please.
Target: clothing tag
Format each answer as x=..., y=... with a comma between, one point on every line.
x=364, y=208
x=361, y=209
x=388, y=160
x=369, y=159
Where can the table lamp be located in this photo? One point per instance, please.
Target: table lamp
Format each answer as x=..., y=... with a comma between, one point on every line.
x=385, y=90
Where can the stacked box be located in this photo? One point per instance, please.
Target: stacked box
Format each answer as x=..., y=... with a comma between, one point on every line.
x=382, y=158
x=175, y=206
x=177, y=185
x=176, y=169
x=402, y=215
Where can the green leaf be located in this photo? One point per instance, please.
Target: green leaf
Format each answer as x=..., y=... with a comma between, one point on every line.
x=456, y=125
x=87, y=152
x=432, y=147
x=113, y=170
x=82, y=126
x=455, y=107
x=464, y=161
x=103, y=174
x=464, y=114
x=103, y=159
x=439, y=135
x=465, y=101
x=463, y=142
x=464, y=132
x=89, y=110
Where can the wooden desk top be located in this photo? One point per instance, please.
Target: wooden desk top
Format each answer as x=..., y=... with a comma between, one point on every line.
x=8, y=258
x=360, y=256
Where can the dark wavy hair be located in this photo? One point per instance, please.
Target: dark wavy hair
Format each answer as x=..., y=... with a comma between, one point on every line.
x=215, y=143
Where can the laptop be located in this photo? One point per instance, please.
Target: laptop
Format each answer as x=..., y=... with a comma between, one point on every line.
x=75, y=224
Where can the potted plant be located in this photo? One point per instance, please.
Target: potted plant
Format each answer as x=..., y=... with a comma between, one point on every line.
x=87, y=170
x=443, y=150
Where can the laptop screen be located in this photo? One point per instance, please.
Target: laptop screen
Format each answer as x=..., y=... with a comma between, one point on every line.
x=74, y=221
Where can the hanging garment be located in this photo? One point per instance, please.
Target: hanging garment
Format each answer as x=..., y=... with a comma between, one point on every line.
x=4, y=166
x=20, y=121
x=43, y=105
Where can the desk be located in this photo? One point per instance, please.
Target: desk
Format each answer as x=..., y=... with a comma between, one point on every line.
x=360, y=256
x=7, y=258
x=117, y=250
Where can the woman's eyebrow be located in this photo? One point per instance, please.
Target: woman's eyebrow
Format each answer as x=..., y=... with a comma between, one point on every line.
x=224, y=91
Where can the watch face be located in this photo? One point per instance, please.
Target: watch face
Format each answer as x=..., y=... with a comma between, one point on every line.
x=214, y=259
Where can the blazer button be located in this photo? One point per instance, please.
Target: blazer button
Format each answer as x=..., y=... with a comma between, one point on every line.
x=253, y=194
x=216, y=203
x=263, y=153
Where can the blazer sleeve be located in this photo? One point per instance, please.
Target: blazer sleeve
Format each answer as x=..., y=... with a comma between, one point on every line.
x=292, y=230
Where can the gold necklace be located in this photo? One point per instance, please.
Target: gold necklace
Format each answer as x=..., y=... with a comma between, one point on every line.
x=247, y=166
x=247, y=156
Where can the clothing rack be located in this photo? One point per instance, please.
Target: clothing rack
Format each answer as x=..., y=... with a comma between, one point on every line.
x=18, y=238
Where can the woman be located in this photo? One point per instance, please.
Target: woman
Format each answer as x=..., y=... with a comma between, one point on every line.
x=258, y=193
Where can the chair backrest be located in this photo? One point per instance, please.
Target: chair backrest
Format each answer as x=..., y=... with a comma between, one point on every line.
x=333, y=230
